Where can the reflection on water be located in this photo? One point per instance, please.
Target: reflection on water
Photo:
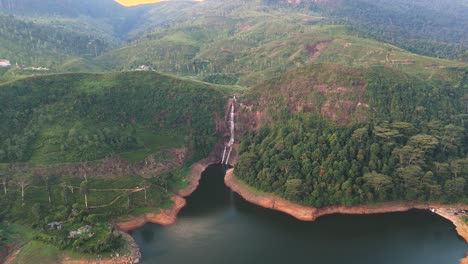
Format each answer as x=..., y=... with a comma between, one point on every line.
x=147, y=234
x=217, y=226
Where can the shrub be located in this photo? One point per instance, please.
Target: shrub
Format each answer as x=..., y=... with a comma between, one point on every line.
x=464, y=219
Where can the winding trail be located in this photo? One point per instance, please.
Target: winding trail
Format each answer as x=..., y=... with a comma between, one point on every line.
x=167, y=216
x=9, y=259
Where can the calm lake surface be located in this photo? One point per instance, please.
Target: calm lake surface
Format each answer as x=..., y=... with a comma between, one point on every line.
x=219, y=227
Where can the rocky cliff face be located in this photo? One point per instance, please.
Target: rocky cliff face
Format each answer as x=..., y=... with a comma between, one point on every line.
x=169, y=215
x=336, y=92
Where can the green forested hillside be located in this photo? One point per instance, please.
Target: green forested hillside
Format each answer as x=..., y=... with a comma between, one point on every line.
x=64, y=8
x=34, y=44
x=65, y=37
x=83, y=149
x=430, y=27
x=410, y=144
x=340, y=102
x=78, y=117
x=242, y=42
x=247, y=43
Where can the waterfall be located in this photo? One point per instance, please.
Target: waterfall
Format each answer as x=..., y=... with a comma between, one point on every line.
x=224, y=154
x=229, y=154
x=232, y=129
x=231, y=141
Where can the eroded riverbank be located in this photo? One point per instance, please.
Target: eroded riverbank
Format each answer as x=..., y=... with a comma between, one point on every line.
x=168, y=216
x=163, y=217
x=309, y=213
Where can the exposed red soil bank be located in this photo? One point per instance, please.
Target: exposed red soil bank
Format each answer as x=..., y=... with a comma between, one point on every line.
x=465, y=260
x=309, y=213
x=168, y=216
x=4, y=253
x=132, y=257
x=11, y=256
x=111, y=260
x=163, y=217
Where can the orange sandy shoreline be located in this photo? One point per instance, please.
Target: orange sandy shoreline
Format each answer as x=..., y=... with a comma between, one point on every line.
x=301, y=212
x=168, y=216
x=163, y=217
x=309, y=213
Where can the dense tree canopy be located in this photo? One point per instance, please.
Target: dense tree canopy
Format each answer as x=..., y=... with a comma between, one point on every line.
x=85, y=117
x=413, y=147
x=311, y=161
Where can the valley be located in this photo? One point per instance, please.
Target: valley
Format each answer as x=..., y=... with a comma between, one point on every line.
x=110, y=115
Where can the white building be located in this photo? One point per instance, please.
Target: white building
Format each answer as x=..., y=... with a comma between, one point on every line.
x=4, y=63
x=143, y=68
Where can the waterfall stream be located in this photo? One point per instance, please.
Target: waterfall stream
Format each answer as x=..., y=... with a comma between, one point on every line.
x=232, y=129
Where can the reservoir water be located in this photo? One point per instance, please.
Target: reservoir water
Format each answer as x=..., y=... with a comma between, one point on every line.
x=219, y=227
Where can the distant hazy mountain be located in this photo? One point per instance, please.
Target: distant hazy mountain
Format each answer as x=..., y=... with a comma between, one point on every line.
x=70, y=8
x=431, y=27
x=220, y=36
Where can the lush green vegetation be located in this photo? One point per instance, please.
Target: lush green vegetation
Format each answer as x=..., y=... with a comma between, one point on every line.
x=121, y=194
x=34, y=250
x=413, y=146
x=33, y=44
x=80, y=117
x=464, y=218
x=240, y=47
x=65, y=37
x=227, y=42
x=35, y=197
x=52, y=126
x=427, y=27
x=346, y=119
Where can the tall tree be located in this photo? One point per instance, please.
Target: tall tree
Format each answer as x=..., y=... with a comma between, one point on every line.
x=424, y=142
x=455, y=187
x=144, y=185
x=294, y=188
x=23, y=179
x=451, y=138
x=379, y=183
x=4, y=175
x=409, y=155
x=65, y=193
x=84, y=190
x=42, y=173
x=411, y=176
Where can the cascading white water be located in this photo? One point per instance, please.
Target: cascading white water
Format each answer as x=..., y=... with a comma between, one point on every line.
x=224, y=154
x=229, y=154
x=232, y=129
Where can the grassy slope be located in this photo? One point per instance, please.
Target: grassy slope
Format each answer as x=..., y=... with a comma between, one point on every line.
x=30, y=251
x=157, y=107
x=50, y=42
x=245, y=42
x=358, y=52
x=256, y=43
x=238, y=42
x=36, y=251
x=137, y=103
